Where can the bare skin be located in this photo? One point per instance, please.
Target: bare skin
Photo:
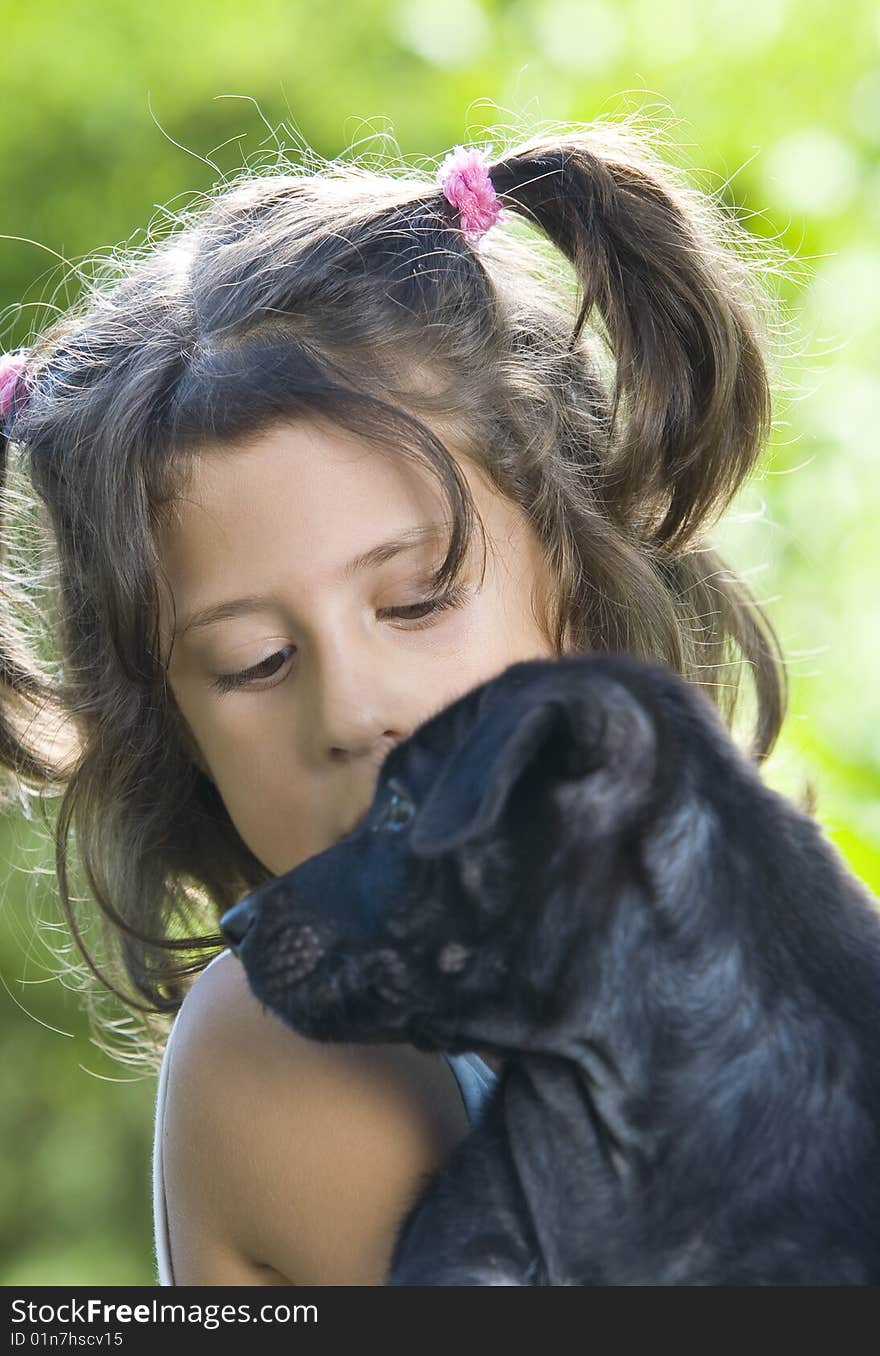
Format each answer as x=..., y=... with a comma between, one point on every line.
x=288, y=1161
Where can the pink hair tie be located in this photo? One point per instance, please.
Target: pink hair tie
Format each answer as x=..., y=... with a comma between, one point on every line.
x=464, y=178
x=11, y=366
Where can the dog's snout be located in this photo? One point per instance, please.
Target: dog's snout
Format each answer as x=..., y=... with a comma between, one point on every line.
x=236, y=921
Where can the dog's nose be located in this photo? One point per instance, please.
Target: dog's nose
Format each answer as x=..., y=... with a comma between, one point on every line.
x=236, y=921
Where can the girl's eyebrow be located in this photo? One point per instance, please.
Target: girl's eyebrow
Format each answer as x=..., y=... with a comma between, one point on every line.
x=406, y=540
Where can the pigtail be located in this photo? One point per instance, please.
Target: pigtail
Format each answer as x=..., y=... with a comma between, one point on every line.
x=690, y=377
x=34, y=746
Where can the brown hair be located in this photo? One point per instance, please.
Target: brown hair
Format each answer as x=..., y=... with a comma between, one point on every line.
x=622, y=425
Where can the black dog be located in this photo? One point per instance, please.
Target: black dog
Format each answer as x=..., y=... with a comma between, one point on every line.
x=573, y=866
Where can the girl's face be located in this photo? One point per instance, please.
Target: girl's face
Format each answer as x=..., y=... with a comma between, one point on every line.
x=296, y=694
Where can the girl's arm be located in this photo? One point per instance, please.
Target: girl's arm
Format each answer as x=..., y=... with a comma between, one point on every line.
x=289, y=1161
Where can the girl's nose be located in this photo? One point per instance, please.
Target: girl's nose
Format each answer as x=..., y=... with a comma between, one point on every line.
x=354, y=699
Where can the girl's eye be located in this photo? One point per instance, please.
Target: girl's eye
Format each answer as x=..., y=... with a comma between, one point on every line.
x=424, y=611
x=420, y=613
x=225, y=682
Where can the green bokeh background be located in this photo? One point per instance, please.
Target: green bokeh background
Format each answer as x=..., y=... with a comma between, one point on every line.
x=108, y=111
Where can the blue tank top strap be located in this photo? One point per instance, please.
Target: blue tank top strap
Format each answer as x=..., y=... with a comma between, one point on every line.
x=476, y=1082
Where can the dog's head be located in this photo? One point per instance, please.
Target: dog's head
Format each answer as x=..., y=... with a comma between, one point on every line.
x=497, y=835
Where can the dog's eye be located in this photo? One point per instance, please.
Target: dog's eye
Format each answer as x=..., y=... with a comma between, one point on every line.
x=398, y=810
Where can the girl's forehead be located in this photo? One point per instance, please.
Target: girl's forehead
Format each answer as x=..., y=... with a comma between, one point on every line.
x=298, y=504
x=296, y=500
x=301, y=453
x=307, y=484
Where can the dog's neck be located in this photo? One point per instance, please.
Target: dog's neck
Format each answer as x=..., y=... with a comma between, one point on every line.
x=573, y=1152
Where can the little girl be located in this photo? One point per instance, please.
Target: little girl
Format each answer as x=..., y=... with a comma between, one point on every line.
x=259, y=457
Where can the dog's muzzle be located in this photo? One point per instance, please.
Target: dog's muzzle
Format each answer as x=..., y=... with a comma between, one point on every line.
x=303, y=945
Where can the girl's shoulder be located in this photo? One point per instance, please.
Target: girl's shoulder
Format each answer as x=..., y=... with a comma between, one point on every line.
x=287, y=1160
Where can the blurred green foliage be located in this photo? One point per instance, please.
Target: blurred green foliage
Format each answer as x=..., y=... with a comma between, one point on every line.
x=109, y=111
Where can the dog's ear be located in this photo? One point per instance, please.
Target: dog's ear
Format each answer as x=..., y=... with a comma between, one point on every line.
x=471, y=791
x=601, y=742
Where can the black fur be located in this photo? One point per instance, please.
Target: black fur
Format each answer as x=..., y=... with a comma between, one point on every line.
x=572, y=866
